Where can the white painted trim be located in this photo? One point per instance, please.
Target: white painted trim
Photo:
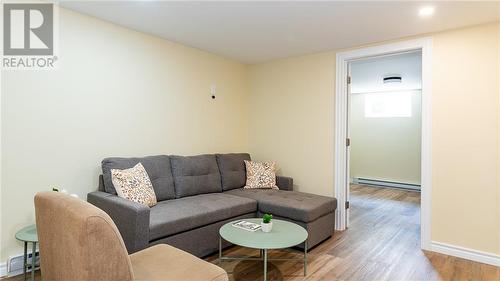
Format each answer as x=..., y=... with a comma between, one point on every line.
x=3, y=266
x=466, y=253
x=341, y=177
x=3, y=269
x=341, y=99
x=426, y=152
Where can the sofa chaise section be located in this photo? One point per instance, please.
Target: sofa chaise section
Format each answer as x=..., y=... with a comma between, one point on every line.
x=309, y=210
x=313, y=212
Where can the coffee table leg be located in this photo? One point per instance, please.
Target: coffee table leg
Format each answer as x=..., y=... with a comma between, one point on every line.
x=265, y=264
x=25, y=264
x=33, y=261
x=220, y=249
x=305, y=258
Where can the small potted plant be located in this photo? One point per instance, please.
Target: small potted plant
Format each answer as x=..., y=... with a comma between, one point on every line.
x=267, y=224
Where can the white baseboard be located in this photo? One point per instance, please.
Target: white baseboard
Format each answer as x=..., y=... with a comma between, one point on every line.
x=3, y=269
x=465, y=253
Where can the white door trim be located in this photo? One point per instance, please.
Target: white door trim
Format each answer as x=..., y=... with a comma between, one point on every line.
x=341, y=177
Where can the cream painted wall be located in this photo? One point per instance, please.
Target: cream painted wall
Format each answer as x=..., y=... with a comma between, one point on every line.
x=385, y=148
x=465, y=143
x=498, y=132
x=116, y=93
x=292, y=102
x=294, y=125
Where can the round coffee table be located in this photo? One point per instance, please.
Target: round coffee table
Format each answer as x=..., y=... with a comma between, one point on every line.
x=283, y=235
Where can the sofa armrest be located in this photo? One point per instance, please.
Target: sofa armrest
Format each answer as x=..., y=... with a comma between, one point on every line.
x=284, y=183
x=131, y=218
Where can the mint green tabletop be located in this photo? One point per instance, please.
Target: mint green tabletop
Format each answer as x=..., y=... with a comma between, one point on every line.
x=27, y=234
x=283, y=235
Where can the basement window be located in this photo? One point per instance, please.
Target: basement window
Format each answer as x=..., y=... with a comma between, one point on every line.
x=388, y=105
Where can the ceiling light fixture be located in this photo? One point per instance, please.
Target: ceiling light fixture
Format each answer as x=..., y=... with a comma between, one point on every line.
x=426, y=11
x=392, y=79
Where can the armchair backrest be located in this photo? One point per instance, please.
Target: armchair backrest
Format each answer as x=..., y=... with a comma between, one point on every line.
x=78, y=241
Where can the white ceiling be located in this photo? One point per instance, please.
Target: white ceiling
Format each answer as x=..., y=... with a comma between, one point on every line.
x=259, y=31
x=367, y=75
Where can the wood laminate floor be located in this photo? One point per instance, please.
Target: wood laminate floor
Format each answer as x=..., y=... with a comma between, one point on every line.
x=382, y=243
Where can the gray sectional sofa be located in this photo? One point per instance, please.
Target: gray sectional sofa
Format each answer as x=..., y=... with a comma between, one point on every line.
x=197, y=195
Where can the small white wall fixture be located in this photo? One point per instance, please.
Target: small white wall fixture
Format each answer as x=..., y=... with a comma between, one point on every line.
x=341, y=110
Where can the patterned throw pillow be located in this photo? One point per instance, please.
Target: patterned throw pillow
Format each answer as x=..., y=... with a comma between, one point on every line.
x=261, y=175
x=134, y=184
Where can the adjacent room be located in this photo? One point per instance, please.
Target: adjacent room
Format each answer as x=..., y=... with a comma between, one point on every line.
x=250, y=140
x=384, y=151
x=385, y=121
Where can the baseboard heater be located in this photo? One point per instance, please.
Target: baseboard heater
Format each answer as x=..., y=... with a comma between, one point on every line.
x=386, y=183
x=15, y=263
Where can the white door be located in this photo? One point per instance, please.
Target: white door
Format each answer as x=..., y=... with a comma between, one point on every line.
x=348, y=144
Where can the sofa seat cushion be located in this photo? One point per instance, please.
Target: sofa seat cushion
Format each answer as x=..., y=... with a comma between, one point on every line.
x=294, y=205
x=178, y=215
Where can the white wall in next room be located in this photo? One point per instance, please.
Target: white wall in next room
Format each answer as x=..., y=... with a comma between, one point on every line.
x=385, y=144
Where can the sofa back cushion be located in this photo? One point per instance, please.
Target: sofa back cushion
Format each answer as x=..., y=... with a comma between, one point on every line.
x=157, y=167
x=232, y=169
x=195, y=175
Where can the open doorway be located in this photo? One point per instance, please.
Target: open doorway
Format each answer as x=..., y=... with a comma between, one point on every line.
x=384, y=123
x=423, y=47
x=384, y=152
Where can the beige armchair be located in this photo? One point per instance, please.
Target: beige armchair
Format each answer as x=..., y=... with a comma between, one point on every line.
x=79, y=241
